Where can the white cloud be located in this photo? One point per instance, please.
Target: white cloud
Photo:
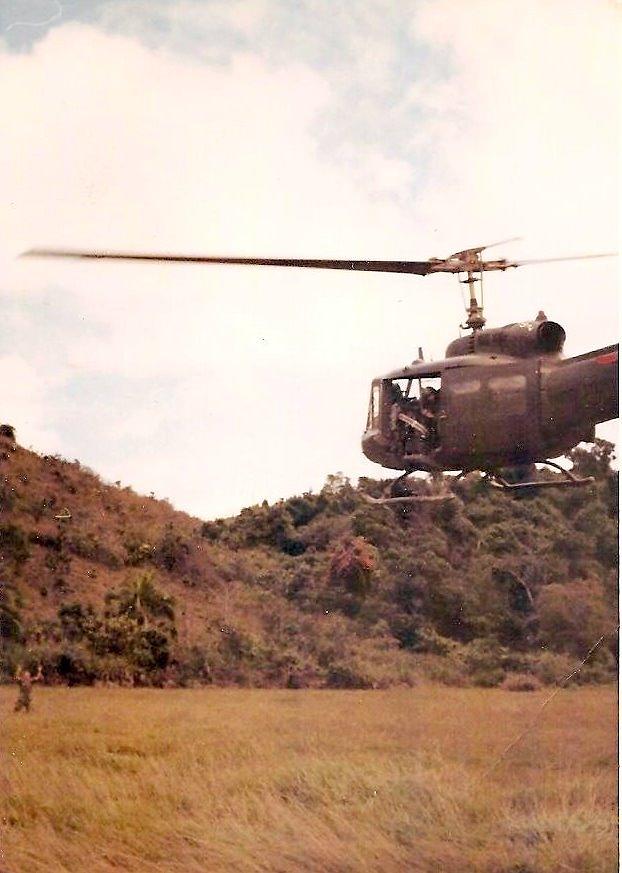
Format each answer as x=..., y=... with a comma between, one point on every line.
x=24, y=400
x=265, y=374
x=526, y=130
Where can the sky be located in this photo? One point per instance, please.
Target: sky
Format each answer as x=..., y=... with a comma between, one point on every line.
x=382, y=129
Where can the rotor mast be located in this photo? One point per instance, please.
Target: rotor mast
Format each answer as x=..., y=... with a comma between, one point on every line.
x=470, y=261
x=475, y=311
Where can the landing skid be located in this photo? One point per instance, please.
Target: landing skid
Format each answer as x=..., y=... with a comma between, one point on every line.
x=435, y=483
x=569, y=481
x=413, y=498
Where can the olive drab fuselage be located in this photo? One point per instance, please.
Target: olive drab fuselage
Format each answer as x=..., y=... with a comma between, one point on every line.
x=503, y=397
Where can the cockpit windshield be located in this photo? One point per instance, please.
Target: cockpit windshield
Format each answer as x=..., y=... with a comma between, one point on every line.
x=373, y=414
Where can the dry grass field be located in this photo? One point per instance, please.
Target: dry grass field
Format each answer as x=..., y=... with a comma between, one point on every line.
x=235, y=780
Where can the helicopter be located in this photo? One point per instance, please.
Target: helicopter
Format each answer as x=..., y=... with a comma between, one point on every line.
x=501, y=399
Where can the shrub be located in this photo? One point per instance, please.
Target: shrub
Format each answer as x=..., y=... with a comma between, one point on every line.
x=484, y=660
x=304, y=509
x=371, y=664
x=213, y=530
x=502, y=539
x=345, y=674
x=595, y=460
x=14, y=549
x=551, y=668
x=324, y=530
x=150, y=649
x=10, y=617
x=138, y=551
x=76, y=620
x=600, y=668
x=12, y=654
x=172, y=551
x=446, y=671
x=521, y=682
x=375, y=527
x=88, y=545
x=73, y=665
x=573, y=616
x=288, y=667
x=255, y=525
x=607, y=544
x=190, y=664
x=433, y=643
x=237, y=645
x=7, y=431
x=488, y=677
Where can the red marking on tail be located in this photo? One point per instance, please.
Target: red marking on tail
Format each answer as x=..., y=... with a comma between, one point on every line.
x=609, y=358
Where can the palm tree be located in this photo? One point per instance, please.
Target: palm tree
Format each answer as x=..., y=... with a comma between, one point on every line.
x=141, y=599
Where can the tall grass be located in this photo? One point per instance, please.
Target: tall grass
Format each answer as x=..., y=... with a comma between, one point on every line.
x=230, y=780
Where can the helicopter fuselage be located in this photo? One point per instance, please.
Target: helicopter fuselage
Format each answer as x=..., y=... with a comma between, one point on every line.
x=503, y=397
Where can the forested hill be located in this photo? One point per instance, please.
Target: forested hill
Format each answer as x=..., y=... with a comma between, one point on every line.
x=101, y=584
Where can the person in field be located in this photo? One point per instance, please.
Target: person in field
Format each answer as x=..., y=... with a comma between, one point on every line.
x=24, y=679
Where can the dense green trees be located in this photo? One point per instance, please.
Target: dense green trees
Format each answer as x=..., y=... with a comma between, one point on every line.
x=324, y=589
x=490, y=582
x=130, y=639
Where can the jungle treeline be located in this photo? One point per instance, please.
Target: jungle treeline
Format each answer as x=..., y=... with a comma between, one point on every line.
x=101, y=585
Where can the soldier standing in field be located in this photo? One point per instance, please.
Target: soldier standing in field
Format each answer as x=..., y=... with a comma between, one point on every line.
x=24, y=679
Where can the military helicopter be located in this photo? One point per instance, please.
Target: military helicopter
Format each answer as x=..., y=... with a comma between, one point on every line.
x=501, y=398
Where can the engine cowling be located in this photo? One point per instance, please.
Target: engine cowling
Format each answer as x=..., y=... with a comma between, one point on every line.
x=520, y=340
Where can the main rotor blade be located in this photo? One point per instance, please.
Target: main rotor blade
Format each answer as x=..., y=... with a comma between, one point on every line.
x=567, y=258
x=420, y=268
x=478, y=249
x=502, y=242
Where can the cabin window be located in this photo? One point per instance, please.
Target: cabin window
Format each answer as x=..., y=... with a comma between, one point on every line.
x=469, y=386
x=509, y=394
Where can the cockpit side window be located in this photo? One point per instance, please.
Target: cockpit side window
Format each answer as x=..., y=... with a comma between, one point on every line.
x=413, y=388
x=413, y=405
x=373, y=415
x=400, y=385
